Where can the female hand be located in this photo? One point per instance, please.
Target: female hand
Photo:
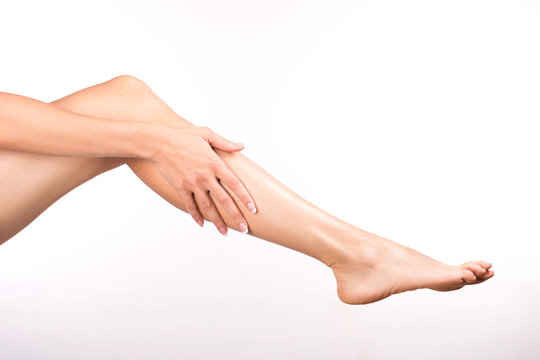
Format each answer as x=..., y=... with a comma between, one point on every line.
x=186, y=159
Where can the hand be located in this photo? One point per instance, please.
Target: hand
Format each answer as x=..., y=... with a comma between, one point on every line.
x=186, y=159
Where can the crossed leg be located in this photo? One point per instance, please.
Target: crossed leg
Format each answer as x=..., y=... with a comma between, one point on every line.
x=367, y=267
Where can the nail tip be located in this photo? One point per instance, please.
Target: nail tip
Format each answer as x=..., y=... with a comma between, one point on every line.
x=251, y=207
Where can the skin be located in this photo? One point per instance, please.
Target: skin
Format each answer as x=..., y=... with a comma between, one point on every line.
x=177, y=160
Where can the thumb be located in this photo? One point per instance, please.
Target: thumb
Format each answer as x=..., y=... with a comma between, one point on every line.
x=220, y=142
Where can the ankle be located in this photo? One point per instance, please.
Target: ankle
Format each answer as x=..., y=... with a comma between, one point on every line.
x=347, y=246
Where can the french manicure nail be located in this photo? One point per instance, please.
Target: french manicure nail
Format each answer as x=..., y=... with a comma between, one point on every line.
x=200, y=222
x=239, y=144
x=243, y=227
x=251, y=207
x=223, y=231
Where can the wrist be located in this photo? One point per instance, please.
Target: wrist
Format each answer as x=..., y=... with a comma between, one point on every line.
x=149, y=138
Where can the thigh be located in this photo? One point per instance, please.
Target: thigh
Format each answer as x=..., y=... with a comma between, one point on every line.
x=32, y=182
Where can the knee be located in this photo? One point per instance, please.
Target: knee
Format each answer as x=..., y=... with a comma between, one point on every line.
x=131, y=87
x=128, y=81
x=140, y=103
x=134, y=95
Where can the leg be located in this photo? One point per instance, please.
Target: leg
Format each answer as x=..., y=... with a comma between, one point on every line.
x=359, y=259
x=367, y=267
x=126, y=97
x=32, y=182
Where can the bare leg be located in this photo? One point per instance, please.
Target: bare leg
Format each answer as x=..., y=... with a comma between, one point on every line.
x=367, y=267
x=32, y=182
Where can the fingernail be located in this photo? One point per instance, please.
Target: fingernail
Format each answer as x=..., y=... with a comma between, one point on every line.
x=239, y=144
x=251, y=207
x=200, y=222
x=223, y=231
x=243, y=227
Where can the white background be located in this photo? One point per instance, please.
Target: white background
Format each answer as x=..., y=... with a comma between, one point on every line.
x=415, y=120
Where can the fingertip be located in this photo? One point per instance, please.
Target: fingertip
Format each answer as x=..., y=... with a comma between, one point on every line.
x=251, y=207
x=243, y=227
x=223, y=231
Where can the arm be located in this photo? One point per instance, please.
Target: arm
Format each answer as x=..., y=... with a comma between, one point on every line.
x=183, y=156
x=31, y=125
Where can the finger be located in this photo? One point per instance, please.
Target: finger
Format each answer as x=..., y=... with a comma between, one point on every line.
x=229, y=205
x=191, y=208
x=222, y=143
x=206, y=203
x=233, y=182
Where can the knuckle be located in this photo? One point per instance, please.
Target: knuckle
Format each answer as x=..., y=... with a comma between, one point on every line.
x=207, y=205
x=237, y=216
x=190, y=207
x=214, y=162
x=197, y=217
x=234, y=183
x=224, y=199
x=201, y=177
x=180, y=186
x=185, y=184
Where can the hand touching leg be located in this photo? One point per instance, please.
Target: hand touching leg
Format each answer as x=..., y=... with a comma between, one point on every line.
x=367, y=267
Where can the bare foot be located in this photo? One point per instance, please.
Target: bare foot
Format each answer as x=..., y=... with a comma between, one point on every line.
x=376, y=268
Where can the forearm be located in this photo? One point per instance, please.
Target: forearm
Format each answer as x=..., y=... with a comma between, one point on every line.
x=31, y=125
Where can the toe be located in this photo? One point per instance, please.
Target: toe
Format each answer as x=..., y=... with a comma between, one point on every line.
x=476, y=268
x=467, y=276
x=486, y=276
x=484, y=264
